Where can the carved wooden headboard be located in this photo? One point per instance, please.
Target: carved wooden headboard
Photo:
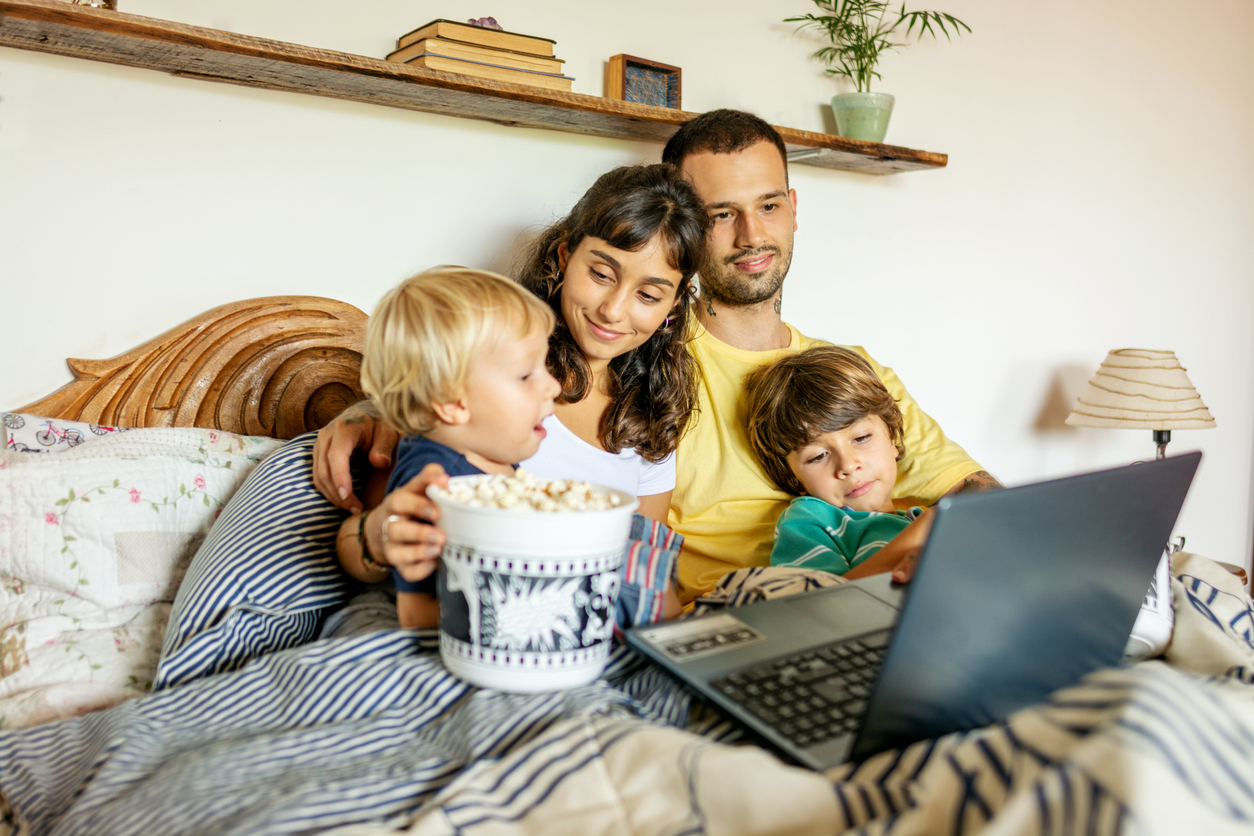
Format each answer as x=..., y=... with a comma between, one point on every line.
x=276, y=366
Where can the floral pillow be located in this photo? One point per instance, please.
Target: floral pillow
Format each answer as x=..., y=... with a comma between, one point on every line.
x=33, y=434
x=93, y=544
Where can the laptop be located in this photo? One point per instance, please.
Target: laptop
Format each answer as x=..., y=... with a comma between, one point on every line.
x=1018, y=592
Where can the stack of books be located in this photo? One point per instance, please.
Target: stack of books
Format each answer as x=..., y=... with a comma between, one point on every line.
x=479, y=51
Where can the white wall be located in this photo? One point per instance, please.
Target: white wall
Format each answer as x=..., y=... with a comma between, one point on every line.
x=1100, y=194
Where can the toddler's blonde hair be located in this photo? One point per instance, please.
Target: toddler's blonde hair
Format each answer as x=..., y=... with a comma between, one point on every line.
x=422, y=339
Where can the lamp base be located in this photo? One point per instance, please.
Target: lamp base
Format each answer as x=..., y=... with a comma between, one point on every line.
x=1161, y=438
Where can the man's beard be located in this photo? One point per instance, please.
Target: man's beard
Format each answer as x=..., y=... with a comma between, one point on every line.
x=732, y=287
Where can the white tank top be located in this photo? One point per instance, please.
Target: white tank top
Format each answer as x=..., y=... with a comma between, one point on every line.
x=564, y=455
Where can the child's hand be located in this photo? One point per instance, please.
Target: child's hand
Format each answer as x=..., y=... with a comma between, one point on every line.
x=910, y=543
x=401, y=530
x=900, y=554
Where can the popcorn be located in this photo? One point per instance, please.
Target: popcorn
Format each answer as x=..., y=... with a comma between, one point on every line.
x=524, y=492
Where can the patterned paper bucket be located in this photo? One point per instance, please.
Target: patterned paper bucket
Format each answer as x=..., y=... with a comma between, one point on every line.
x=527, y=597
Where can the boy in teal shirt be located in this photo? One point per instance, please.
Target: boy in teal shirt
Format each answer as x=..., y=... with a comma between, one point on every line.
x=827, y=431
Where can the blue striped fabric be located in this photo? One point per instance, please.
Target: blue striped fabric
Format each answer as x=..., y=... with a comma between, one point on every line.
x=372, y=730
x=337, y=732
x=1165, y=720
x=648, y=570
x=763, y=583
x=264, y=577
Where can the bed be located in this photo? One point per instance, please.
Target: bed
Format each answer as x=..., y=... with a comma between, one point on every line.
x=166, y=570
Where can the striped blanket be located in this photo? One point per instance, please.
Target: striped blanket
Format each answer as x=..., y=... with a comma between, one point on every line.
x=367, y=734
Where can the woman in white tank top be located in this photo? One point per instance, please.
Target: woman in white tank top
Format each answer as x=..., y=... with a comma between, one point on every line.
x=617, y=272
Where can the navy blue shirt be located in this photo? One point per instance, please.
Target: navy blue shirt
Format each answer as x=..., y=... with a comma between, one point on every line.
x=413, y=454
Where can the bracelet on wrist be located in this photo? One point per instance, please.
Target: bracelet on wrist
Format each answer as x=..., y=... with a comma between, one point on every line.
x=365, y=546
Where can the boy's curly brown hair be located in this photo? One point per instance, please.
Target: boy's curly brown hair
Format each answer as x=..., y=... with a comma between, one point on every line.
x=798, y=398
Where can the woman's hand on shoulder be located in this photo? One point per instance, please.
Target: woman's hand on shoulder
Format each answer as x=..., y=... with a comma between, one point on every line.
x=356, y=428
x=402, y=532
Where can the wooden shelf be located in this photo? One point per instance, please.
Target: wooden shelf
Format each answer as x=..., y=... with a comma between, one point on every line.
x=60, y=28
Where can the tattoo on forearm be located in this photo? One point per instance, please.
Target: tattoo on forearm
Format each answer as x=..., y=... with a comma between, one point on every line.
x=981, y=480
x=359, y=412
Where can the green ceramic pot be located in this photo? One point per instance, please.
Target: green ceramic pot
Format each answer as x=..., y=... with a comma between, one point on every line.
x=862, y=115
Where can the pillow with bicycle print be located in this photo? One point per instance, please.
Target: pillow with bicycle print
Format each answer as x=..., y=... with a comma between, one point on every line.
x=94, y=542
x=34, y=434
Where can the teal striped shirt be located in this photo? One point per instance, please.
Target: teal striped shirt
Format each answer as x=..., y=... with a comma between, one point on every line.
x=814, y=535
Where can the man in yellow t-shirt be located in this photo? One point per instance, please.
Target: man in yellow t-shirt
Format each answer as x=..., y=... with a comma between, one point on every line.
x=724, y=503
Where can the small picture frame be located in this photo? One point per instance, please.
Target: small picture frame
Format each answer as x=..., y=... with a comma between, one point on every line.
x=640, y=80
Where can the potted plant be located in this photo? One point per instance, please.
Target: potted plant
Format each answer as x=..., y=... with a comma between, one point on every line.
x=859, y=31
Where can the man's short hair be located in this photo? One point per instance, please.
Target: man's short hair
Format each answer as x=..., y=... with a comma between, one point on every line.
x=423, y=337
x=721, y=132
x=794, y=400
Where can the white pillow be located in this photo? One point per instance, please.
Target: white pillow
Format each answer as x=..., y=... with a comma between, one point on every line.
x=93, y=544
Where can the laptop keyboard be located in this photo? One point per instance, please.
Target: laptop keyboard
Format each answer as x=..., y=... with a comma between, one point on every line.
x=813, y=696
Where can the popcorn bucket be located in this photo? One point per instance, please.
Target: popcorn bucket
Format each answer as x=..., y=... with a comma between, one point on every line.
x=527, y=596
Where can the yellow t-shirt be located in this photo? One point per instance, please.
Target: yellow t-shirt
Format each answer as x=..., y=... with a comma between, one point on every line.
x=724, y=503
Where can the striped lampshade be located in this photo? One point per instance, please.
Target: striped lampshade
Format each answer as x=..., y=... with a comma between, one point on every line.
x=1138, y=388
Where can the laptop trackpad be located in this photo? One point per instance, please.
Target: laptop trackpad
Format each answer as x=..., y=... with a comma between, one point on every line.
x=843, y=613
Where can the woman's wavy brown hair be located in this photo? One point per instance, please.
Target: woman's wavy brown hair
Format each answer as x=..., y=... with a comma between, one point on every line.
x=652, y=388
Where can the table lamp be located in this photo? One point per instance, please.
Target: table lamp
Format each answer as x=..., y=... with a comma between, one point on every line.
x=1137, y=388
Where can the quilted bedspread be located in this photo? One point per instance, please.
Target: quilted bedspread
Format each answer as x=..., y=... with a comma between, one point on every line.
x=369, y=734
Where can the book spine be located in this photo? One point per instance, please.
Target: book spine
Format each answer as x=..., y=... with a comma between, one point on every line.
x=406, y=53
x=501, y=57
x=429, y=56
x=481, y=36
x=493, y=72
